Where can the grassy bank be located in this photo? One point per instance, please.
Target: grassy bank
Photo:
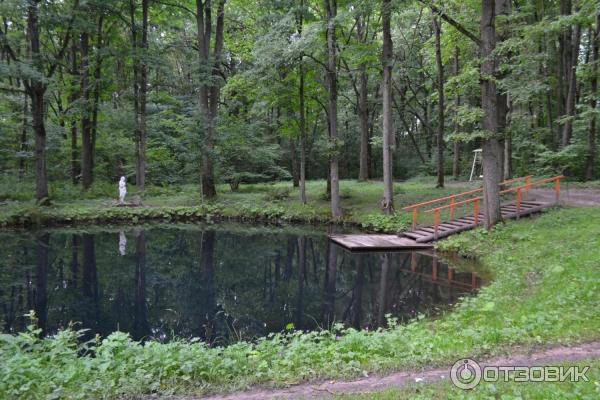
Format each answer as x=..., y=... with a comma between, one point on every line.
x=544, y=292
x=260, y=202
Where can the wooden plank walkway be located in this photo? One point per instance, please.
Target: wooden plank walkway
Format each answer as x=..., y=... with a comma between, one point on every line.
x=509, y=211
x=377, y=242
x=422, y=238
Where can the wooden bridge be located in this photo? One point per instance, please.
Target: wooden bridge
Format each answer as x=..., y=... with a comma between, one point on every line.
x=449, y=208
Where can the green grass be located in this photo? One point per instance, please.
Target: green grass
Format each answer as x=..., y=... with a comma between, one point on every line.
x=259, y=202
x=545, y=291
x=497, y=390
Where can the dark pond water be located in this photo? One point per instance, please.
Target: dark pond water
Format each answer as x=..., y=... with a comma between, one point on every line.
x=219, y=283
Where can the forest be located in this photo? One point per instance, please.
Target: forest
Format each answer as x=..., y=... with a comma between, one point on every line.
x=242, y=91
x=158, y=157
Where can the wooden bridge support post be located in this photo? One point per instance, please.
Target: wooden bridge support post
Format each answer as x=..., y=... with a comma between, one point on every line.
x=557, y=188
x=518, y=203
x=436, y=222
x=476, y=212
x=414, y=218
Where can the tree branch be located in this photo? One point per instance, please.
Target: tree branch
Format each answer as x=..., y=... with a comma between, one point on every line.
x=65, y=42
x=457, y=25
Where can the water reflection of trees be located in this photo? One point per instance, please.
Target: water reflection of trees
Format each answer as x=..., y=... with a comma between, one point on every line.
x=217, y=285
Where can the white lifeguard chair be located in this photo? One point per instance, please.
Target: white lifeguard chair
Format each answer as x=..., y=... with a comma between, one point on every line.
x=477, y=163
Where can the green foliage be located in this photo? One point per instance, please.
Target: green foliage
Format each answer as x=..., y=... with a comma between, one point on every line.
x=386, y=223
x=277, y=193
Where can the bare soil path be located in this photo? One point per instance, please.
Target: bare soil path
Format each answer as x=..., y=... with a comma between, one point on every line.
x=328, y=389
x=569, y=196
x=574, y=197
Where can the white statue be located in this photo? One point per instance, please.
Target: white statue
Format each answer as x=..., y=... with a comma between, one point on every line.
x=122, y=190
x=122, y=243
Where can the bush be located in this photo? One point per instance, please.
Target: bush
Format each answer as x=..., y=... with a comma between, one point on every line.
x=277, y=193
x=387, y=223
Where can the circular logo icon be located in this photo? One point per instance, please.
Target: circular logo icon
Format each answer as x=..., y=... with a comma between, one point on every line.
x=465, y=374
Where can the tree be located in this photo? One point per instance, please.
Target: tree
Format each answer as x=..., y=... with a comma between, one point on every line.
x=301, y=111
x=387, y=60
x=210, y=88
x=331, y=79
x=591, y=139
x=86, y=122
x=440, y=86
x=37, y=84
x=491, y=153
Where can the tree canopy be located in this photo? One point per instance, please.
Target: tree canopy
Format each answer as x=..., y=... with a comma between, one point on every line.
x=240, y=91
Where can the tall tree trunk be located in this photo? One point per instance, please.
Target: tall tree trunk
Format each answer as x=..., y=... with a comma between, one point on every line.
x=489, y=98
x=141, y=156
x=440, y=86
x=331, y=10
x=96, y=87
x=209, y=89
x=86, y=122
x=363, y=114
x=294, y=163
x=503, y=8
x=136, y=83
x=388, y=129
x=73, y=96
x=36, y=92
x=456, y=143
x=302, y=116
x=591, y=140
x=564, y=49
x=567, y=130
x=363, y=106
x=23, y=139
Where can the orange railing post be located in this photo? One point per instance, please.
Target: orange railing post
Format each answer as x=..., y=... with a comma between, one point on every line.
x=557, y=188
x=518, y=202
x=476, y=211
x=414, y=218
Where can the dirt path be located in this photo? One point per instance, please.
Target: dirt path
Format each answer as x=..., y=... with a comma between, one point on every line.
x=328, y=389
x=574, y=197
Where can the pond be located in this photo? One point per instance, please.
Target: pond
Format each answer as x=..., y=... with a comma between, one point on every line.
x=220, y=283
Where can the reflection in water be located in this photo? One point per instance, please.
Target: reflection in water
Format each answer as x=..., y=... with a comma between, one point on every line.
x=218, y=284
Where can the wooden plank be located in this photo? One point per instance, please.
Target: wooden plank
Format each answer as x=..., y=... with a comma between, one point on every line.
x=376, y=242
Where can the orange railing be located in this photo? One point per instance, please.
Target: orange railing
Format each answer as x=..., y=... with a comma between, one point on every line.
x=452, y=199
x=476, y=200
